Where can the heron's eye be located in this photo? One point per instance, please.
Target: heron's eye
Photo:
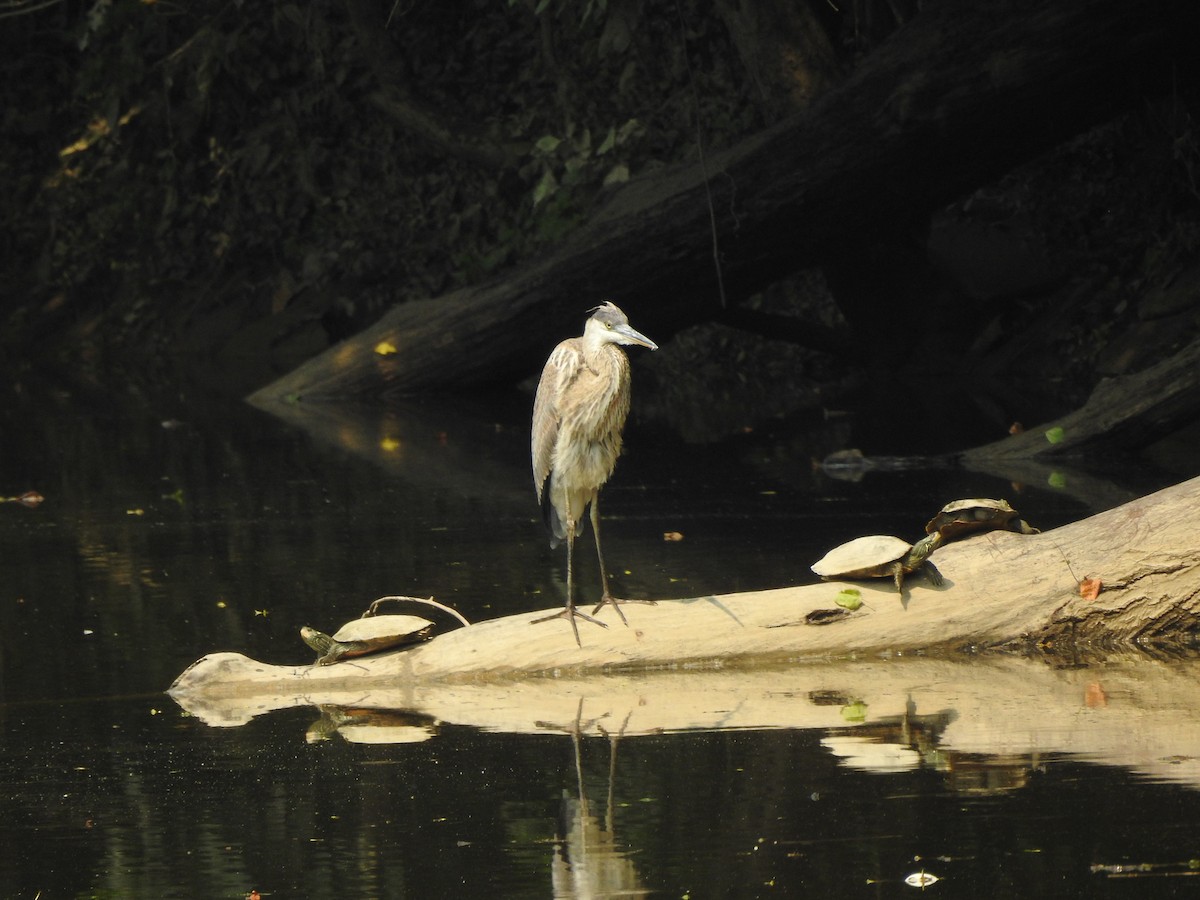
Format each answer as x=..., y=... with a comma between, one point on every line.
x=608, y=325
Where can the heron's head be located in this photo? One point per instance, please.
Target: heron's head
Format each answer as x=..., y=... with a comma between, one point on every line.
x=608, y=325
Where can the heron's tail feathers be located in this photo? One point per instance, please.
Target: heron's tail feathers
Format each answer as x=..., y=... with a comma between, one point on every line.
x=555, y=522
x=557, y=527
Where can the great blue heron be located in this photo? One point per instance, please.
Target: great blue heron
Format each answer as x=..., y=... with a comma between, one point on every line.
x=580, y=408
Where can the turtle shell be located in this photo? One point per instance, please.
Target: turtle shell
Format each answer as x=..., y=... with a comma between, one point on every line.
x=964, y=517
x=881, y=556
x=367, y=635
x=381, y=631
x=872, y=556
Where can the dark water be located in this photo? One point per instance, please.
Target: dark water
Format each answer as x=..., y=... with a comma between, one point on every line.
x=175, y=528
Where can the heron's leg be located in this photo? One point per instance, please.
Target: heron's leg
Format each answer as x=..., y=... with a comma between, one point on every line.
x=570, y=613
x=606, y=595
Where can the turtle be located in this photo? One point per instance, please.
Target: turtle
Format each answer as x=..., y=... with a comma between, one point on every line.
x=963, y=517
x=880, y=556
x=367, y=635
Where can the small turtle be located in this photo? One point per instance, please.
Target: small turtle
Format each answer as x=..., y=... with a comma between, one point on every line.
x=366, y=635
x=880, y=556
x=963, y=517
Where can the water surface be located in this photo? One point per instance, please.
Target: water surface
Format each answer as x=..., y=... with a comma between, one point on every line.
x=175, y=528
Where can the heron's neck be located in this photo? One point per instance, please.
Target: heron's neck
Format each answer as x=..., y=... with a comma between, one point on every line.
x=595, y=346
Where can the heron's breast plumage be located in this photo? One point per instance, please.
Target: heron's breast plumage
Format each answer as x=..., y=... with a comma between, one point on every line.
x=592, y=409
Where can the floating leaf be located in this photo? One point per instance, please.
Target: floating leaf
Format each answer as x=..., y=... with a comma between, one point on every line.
x=672, y=536
x=850, y=598
x=1057, y=480
x=1055, y=435
x=1089, y=588
x=921, y=879
x=385, y=348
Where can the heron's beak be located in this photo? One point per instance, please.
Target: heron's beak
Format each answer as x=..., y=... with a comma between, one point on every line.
x=634, y=337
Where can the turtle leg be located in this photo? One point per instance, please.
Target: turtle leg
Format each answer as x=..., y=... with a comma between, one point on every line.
x=932, y=573
x=898, y=577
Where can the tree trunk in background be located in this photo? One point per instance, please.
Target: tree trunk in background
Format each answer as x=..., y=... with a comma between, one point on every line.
x=951, y=101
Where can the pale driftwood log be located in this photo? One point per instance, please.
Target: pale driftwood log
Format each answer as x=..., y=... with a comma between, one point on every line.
x=1133, y=711
x=1002, y=589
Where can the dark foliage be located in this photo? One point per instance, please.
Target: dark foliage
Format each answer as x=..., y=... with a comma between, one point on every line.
x=176, y=171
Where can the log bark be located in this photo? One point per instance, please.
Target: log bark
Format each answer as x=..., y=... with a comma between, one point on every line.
x=1122, y=413
x=955, y=98
x=1002, y=590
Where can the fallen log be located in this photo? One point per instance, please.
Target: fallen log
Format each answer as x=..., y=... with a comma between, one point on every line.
x=1002, y=590
x=957, y=97
x=1123, y=413
x=876, y=714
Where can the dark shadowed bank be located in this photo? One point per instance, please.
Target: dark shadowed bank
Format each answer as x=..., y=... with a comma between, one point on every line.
x=906, y=201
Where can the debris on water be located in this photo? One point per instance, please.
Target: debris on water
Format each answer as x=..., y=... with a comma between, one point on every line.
x=921, y=879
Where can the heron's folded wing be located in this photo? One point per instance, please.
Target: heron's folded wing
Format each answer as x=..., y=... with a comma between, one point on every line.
x=561, y=368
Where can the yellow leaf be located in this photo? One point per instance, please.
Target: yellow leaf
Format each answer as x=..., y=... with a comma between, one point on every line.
x=386, y=348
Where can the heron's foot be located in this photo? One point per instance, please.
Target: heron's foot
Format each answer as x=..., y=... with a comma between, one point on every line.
x=615, y=603
x=571, y=614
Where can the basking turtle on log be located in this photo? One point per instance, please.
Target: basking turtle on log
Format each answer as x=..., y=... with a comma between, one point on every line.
x=366, y=635
x=963, y=517
x=880, y=556
x=578, y=413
